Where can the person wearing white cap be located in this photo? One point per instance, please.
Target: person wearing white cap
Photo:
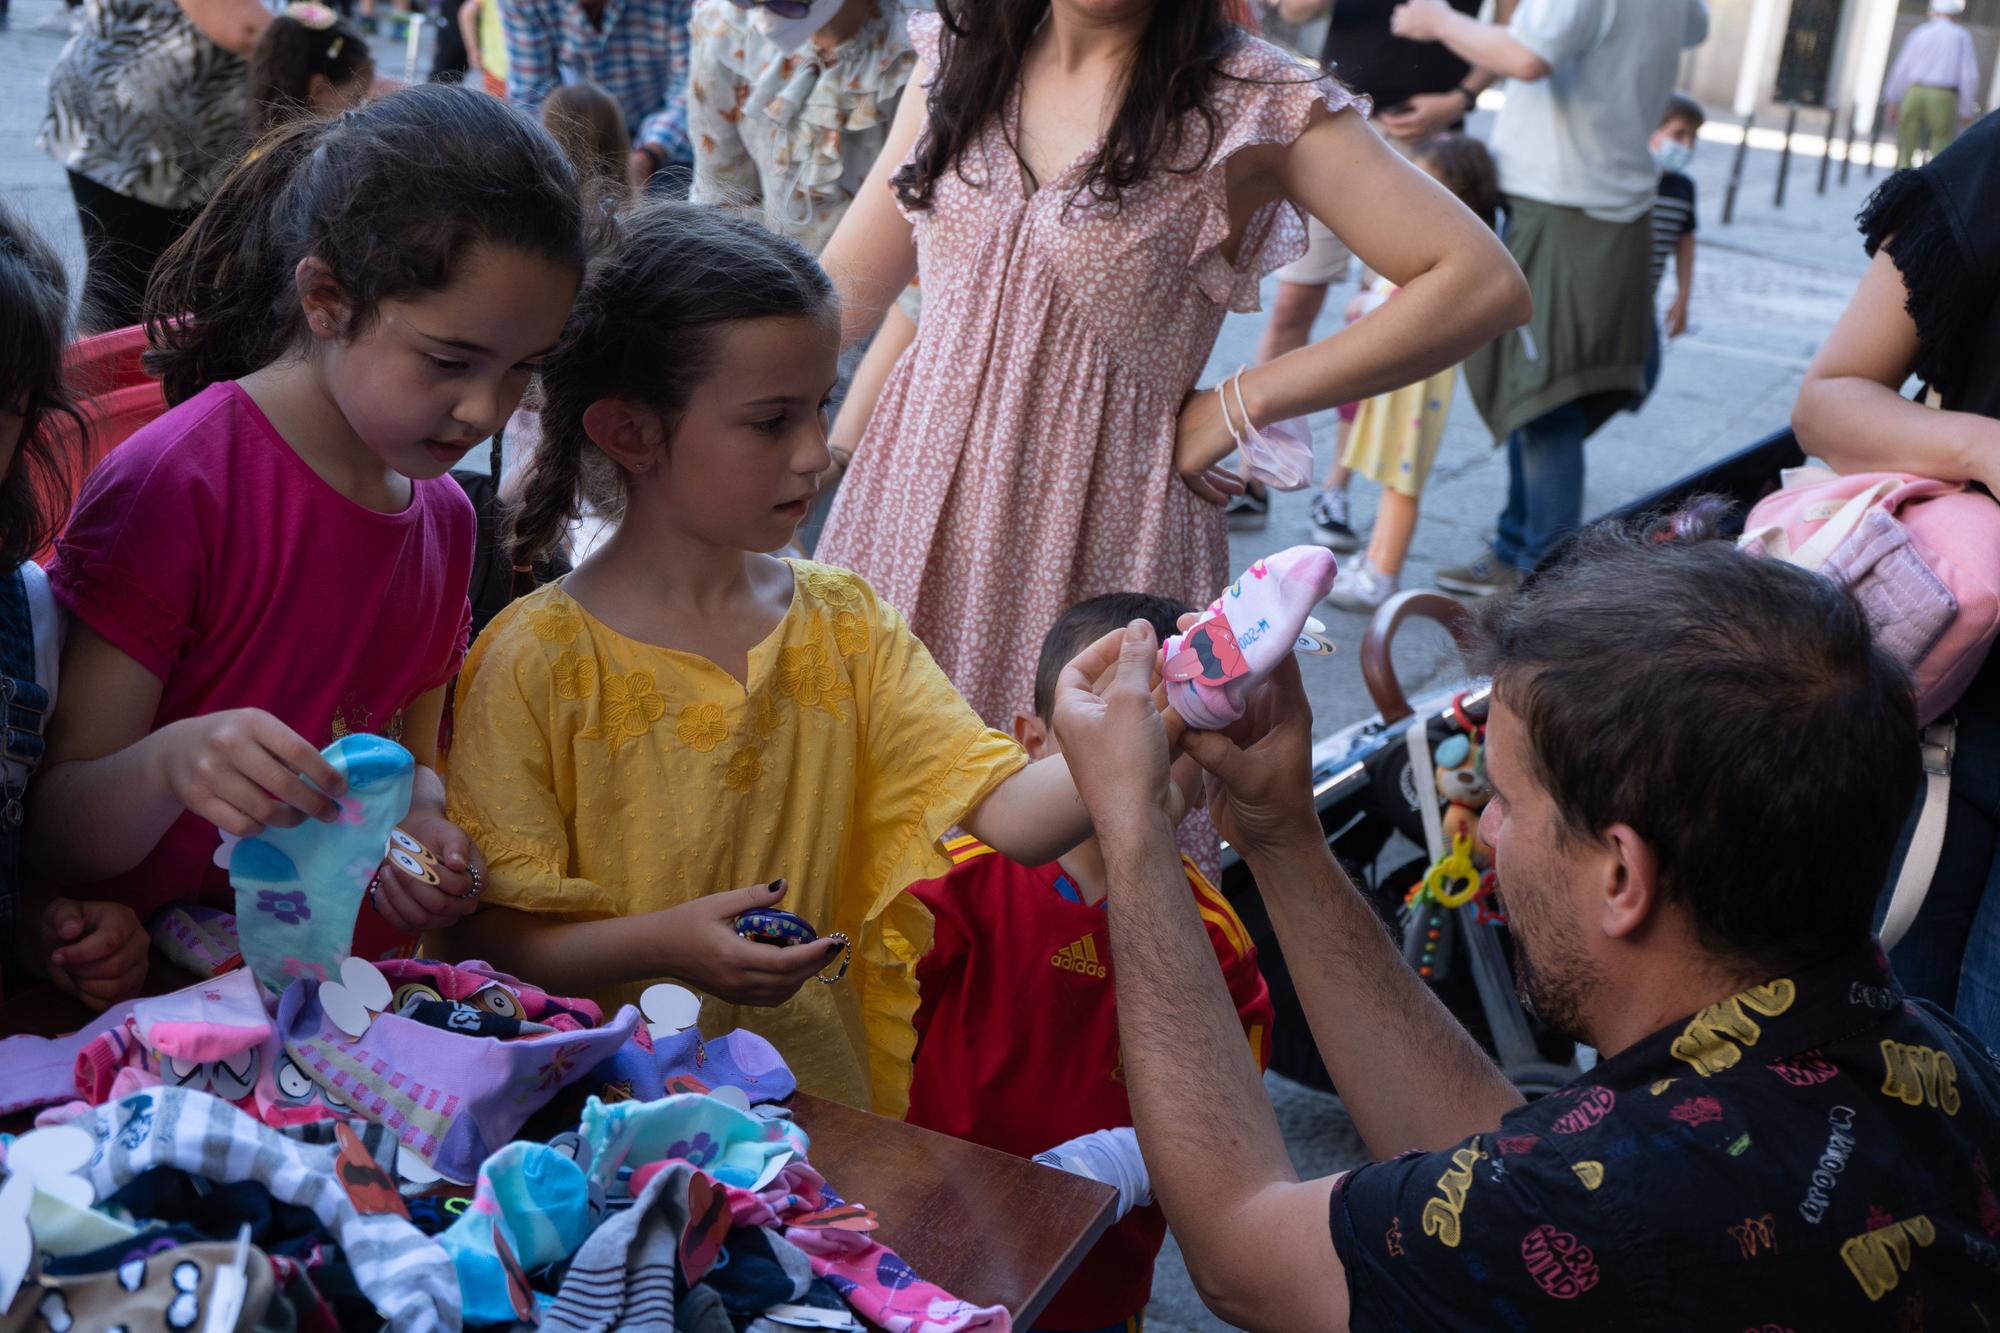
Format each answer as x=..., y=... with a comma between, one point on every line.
x=1933, y=87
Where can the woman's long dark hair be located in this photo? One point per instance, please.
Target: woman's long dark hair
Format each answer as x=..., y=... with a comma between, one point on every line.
x=392, y=197
x=984, y=43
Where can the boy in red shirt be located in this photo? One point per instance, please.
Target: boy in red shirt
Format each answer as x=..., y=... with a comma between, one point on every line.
x=1017, y=1030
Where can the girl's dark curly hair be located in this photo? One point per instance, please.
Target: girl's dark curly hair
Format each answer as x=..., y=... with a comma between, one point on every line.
x=1179, y=57
x=34, y=327
x=391, y=197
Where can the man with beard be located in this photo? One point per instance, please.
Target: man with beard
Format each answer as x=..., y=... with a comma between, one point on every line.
x=1701, y=763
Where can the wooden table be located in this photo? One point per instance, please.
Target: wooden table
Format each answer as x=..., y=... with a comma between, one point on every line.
x=989, y=1228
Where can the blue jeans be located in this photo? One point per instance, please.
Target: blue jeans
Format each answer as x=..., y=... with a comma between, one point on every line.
x=1951, y=955
x=1544, y=485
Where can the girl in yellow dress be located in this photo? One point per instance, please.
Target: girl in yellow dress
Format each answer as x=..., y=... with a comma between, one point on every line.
x=685, y=715
x=1395, y=436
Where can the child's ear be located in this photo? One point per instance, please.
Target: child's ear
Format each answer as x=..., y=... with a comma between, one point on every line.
x=322, y=298
x=1033, y=734
x=628, y=432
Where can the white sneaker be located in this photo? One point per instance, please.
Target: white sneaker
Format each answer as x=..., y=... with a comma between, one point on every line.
x=1362, y=587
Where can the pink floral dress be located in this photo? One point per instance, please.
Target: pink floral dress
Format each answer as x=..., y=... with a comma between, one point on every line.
x=1021, y=458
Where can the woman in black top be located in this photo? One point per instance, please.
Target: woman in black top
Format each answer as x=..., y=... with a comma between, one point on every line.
x=1930, y=307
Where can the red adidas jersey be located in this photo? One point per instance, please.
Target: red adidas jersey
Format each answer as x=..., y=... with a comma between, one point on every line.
x=1017, y=1038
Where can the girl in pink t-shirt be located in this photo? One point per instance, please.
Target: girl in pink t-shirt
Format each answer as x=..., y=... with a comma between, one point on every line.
x=280, y=558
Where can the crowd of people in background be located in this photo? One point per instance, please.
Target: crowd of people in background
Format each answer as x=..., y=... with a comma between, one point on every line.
x=845, y=360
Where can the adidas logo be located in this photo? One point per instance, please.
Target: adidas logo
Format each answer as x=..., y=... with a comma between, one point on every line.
x=1080, y=957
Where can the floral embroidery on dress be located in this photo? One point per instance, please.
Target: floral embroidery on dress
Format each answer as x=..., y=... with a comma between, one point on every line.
x=808, y=678
x=850, y=633
x=575, y=676
x=702, y=728
x=557, y=622
x=765, y=720
x=630, y=706
x=746, y=767
x=833, y=587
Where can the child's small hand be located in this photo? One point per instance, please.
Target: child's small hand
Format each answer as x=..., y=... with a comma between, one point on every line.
x=240, y=770
x=1677, y=317
x=701, y=946
x=96, y=951
x=413, y=906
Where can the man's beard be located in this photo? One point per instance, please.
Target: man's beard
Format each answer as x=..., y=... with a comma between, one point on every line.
x=1554, y=980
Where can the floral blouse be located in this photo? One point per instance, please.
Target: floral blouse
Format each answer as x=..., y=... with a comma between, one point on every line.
x=795, y=132
x=606, y=777
x=144, y=104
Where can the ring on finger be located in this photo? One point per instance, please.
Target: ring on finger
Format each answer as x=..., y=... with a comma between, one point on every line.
x=478, y=885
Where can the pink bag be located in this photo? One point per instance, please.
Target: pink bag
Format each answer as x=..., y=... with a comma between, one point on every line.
x=1923, y=557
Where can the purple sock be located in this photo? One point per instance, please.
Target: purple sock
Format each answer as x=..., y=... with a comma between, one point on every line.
x=450, y=1099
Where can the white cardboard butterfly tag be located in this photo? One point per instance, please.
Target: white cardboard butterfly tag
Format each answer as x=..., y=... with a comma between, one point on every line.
x=361, y=993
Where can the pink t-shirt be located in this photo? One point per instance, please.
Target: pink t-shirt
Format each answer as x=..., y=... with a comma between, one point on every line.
x=207, y=551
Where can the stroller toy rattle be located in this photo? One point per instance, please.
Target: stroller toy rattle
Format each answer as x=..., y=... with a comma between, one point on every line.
x=770, y=925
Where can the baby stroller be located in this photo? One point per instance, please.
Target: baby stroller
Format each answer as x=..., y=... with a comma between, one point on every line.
x=1378, y=805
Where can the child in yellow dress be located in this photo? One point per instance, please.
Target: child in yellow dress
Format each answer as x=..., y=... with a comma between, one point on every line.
x=684, y=714
x=1395, y=436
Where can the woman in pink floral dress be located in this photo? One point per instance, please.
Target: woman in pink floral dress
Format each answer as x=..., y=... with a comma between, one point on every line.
x=1091, y=186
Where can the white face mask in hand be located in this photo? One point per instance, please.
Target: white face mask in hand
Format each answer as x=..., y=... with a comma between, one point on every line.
x=789, y=34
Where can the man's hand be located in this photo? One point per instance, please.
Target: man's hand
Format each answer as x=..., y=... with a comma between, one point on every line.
x=1423, y=115
x=1677, y=317
x=1419, y=20
x=1113, y=735
x=1260, y=772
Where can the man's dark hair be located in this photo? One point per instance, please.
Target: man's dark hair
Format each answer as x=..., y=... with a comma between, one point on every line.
x=1087, y=622
x=1735, y=711
x=1684, y=108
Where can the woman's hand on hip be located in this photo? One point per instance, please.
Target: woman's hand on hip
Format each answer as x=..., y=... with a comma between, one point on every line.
x=1201, y=441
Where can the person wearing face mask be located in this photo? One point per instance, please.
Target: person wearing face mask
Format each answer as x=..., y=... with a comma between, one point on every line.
x=1673, y=218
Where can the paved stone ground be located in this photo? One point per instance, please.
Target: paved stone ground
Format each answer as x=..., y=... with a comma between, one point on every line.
x=1767, y=289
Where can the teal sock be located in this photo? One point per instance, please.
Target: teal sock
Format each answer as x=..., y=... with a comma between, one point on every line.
x=534, y=1199
x=298, y=890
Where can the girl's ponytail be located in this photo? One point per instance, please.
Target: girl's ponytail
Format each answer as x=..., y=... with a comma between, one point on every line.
x=307, y=39
x=221, y=303
x=392, y=197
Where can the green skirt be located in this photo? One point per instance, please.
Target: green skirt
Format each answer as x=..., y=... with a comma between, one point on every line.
x=1593, y=322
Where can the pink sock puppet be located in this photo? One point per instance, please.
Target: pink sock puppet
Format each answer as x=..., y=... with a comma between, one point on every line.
x=1211, y=669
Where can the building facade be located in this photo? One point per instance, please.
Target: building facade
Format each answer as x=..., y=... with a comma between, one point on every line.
x=1763, y=54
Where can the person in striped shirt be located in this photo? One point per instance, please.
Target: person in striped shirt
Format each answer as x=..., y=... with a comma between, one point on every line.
x=636, y=50
x=1017, y=1027
x=1673, y=219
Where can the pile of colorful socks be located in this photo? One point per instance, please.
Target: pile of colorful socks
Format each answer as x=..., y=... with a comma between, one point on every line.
x=303, y=1140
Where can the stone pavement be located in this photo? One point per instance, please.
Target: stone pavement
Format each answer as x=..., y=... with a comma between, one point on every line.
x=1766, y=291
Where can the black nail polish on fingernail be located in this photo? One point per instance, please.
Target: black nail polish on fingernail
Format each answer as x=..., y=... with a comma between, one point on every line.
x=778, y=885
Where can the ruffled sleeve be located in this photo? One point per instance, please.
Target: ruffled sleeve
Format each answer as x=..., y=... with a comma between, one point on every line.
x=1263, y=97
x=926, y=759
x=926, y=32
x=1935, y=223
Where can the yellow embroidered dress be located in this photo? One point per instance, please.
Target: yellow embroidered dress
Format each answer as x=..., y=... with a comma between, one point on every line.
x=607, y=777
